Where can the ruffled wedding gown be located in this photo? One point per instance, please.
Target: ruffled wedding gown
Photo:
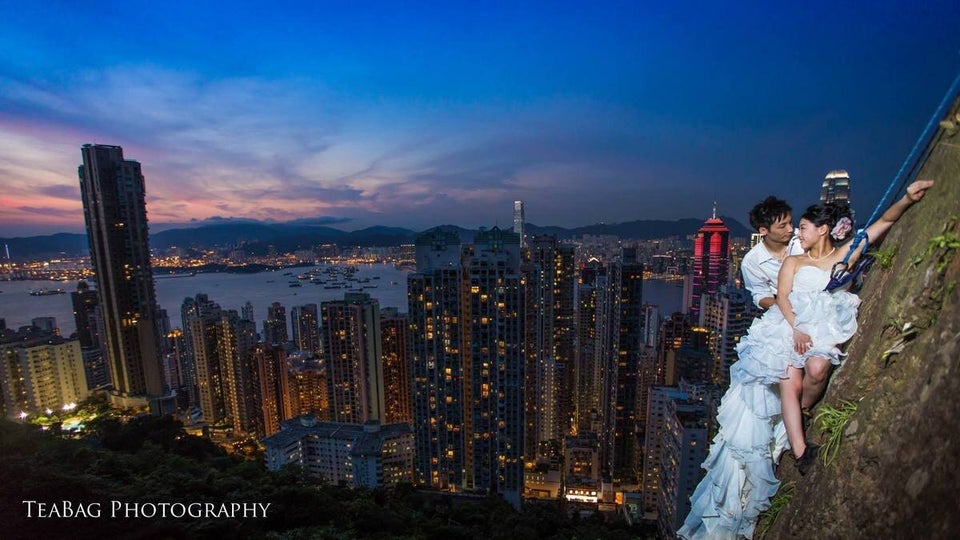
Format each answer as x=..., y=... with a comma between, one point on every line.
x=740, y=466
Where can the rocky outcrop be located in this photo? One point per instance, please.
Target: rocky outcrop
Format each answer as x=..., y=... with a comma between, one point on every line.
x=897, y=471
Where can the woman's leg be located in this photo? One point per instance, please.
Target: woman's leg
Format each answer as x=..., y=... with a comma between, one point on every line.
x=815, y=377
x=791, y=390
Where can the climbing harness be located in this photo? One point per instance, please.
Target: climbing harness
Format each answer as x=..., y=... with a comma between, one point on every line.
x=842, y=274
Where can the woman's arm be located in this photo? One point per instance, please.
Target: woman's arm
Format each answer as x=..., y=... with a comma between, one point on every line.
x=801, y=341
x=915, y=191
x=877, y=230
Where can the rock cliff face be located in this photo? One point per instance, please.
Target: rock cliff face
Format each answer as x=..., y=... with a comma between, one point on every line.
x=897, y=471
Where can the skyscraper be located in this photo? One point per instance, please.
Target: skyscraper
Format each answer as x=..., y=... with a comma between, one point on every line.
x=85, y=302
x=201, y=320
x=86, y=315
x=727, y=315
x=625, y=406
x=494, y=365
x=518, y=222
x=305, y=322
x=193, y=308
x=836, y=187
x=308, y=391
x=354, y=358
x=275, y=326
x=246, y=312
x=595, y=343
x=397, y=383
x=176, y=367
x=678, y=427
x=436, y=345
x=236, y=338
x=274, y=398
x=115, y=212
x=711, y=261
x=551, y=388
x=675, y=333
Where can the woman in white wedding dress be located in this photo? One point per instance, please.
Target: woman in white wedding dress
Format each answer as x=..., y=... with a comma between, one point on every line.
x=802, y=331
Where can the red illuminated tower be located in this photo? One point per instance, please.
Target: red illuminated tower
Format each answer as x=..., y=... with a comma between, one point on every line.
x=711, y=260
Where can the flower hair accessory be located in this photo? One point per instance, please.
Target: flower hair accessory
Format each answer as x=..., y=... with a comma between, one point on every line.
x=841, y=229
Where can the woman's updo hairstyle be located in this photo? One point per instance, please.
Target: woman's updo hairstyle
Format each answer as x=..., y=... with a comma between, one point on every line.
x=835, y=215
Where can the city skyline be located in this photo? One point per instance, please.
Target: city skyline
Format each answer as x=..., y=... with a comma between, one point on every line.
x=417, y=116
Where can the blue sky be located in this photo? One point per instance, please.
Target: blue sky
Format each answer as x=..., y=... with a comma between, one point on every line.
x=413, y=115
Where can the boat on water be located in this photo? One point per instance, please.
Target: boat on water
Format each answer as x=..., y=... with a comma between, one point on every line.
x=296, y=284
x=173, y=275
x=46, y=292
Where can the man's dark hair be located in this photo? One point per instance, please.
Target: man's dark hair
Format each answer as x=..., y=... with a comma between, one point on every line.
x=766, y=212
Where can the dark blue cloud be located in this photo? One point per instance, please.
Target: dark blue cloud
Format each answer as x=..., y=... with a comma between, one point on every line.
x=412, y=115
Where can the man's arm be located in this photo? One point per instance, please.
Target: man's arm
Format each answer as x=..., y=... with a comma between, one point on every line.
x=765, y=303
x=755, y=282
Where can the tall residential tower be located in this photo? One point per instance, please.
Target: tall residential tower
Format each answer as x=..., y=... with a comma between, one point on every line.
x=115, y=212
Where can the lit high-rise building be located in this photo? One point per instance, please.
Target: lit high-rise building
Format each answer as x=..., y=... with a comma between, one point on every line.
x=39, y=370
x=494, y=361
x=467, y=336
x=437, y=341
x=274, y=396
x=588, y=384
x=598, y=331
x=711, y=261
x=354, y=358
x=86, y=316
x=236, y=338
x=199, y=306
x=309, y=393
x=115, y=213
x=835, y=187
x=674, y=332
x=305, y=322
x=727, y=315
x=275, y=325
x=397, y=382
x=683, y=439
x=176, y=366
x=550, y=371
x=624, y=373
x=201, y=324
x=519, y=219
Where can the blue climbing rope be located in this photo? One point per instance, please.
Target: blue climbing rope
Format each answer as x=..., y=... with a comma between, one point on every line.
x=908, y=171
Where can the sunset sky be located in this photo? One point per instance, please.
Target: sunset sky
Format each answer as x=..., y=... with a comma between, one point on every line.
x=364, y=113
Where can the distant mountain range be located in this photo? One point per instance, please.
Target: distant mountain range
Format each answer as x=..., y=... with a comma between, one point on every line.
x=257, y=237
